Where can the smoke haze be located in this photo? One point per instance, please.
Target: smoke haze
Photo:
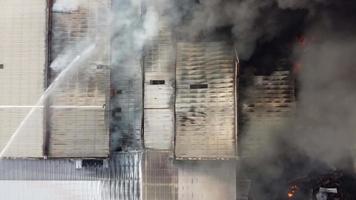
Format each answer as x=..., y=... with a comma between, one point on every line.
x=323, y=128
x=325, y=113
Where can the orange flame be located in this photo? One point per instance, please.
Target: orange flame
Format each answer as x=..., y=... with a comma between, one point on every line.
x=290, y=195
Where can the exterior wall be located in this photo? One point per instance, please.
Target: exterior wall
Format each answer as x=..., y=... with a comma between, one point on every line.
x=159, y=91
x=269, y=103
x=23, y=60
x=160, y=176
x=122, y=168
x=77, y=115
x=59, y=179
x=54, y=190
x=125, y=182
x=205, y=103
x=127, y=83
x=126, y=110
x=159, y=129
x=204, y=180
x=73, y=26
x=78, y=121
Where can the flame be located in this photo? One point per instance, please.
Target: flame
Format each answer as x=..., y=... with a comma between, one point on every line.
x=290, y=194
x=292, y=191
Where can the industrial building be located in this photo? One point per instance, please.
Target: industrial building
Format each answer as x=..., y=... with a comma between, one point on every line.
x=159, y=91
x=72, y=121
x=197, y=90
x=167, y=122
x=77, y=116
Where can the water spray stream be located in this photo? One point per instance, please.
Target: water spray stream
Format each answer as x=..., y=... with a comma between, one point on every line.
x=46, y=94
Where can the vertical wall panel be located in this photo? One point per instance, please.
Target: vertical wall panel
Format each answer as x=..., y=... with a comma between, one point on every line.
x=205, y=103
x=159, y=90
x=160, y=176
x=77, y=115
x=121, y=179
x=159, y=130
x=22, y=73
x=207, y=180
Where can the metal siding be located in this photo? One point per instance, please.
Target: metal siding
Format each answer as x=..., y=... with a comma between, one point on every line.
x=205, y=126
x=124, y=167
x=78, y=121
x=159, y=98
x=71, y=28
x=207, y=180
x=159, y=130
x=22, y=52
x=54, y=190
x=160, y=176
x=269, y=103
x=121, y=180
x=77, y=114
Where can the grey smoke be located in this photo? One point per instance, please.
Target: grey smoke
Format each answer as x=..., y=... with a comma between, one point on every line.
x=249, y=21
x=322, y=134
x=135, y=23
x=324, y=123
x=326, y=114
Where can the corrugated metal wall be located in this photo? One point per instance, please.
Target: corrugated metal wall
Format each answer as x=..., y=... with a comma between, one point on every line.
x=205, y=103
x=54, y=190
x=207, y=180
x=160, y=181
x=73, y=26
x=159, y=90
x=159, y=129
x=121, y=180
x=269, y=103
x=125, y=172
x=77, y=116
x=22, y=74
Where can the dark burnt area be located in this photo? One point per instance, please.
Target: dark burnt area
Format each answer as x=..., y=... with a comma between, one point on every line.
x=275, y=53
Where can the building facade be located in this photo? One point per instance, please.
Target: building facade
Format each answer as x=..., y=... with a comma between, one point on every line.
x=206, y=101
x=23, y=61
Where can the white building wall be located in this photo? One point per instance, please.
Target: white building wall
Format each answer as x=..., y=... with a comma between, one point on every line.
x=159, y=92
x=22, y=58
x=54, y=190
